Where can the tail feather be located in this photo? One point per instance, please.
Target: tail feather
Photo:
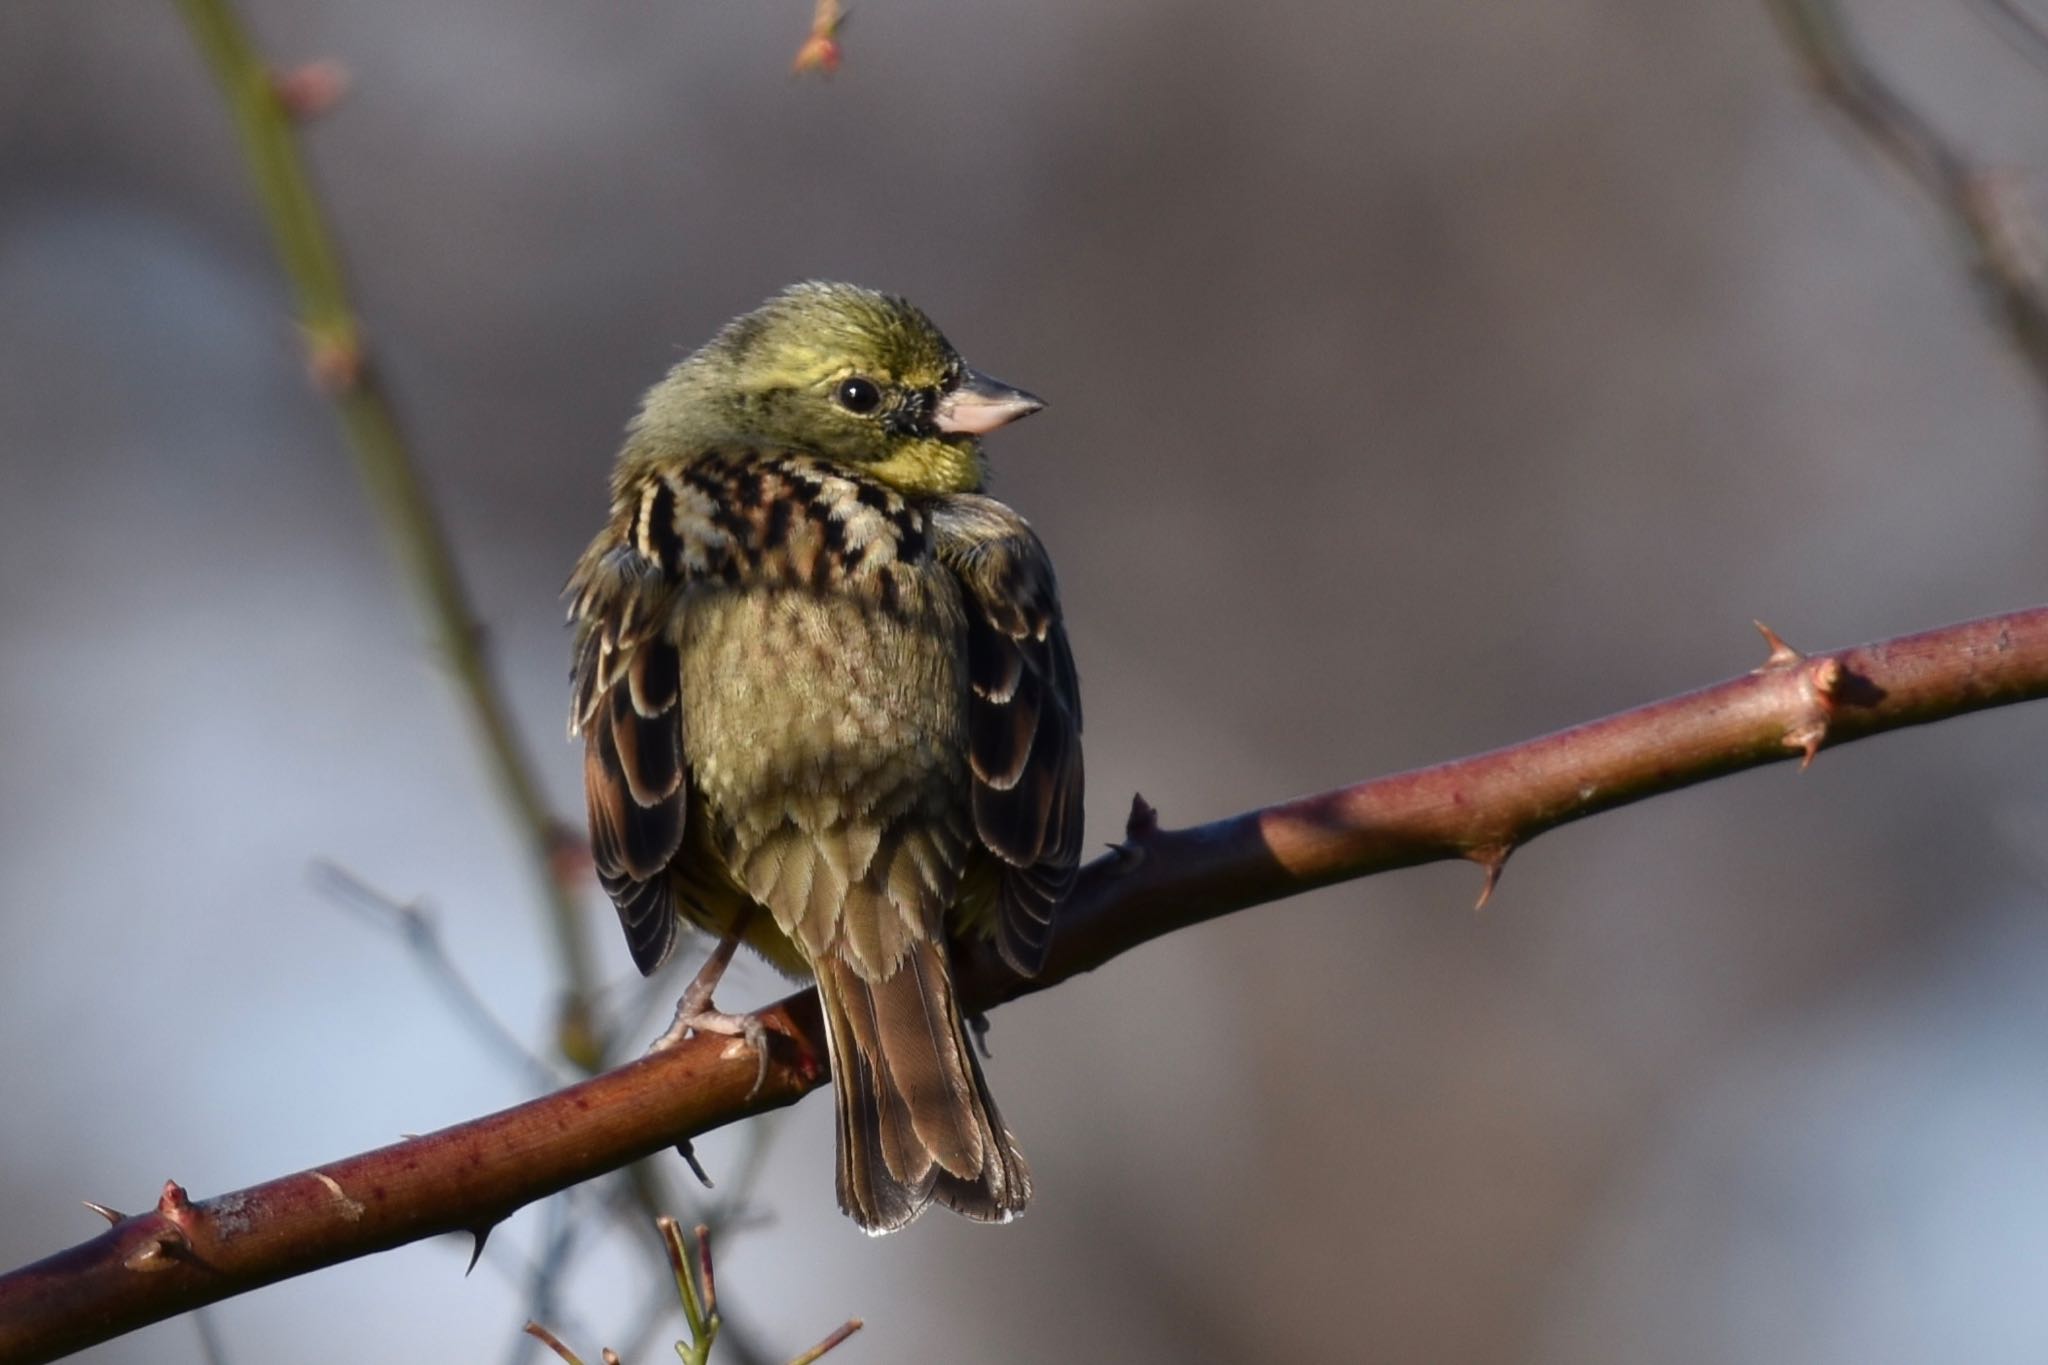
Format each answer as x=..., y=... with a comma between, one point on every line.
x=916, y=1121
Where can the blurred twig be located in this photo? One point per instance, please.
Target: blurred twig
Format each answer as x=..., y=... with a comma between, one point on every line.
x=422, y=936
x=820, y=51
x=1997, y=233
x=210, y=1349
x=263, y=105
x=2026, y=29
x=642, y=1183
x=469, y=1177
x=694, y=1285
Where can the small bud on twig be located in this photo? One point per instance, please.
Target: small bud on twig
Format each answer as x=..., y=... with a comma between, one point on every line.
x=310, y=89
x=820, y=51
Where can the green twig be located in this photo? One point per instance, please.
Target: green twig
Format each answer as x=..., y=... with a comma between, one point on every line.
x=340, y=364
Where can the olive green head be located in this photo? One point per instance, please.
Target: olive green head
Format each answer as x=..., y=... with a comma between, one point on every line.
x=840, y=371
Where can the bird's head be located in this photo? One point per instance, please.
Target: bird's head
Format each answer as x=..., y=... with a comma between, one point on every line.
x=847, y=373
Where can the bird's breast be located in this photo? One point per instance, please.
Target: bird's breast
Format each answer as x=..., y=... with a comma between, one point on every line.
x=822, y=656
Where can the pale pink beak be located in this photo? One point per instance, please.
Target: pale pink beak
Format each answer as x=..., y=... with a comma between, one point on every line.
x=980, y=404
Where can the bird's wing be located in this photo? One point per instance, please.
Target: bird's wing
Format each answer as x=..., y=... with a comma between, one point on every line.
x=1024, y=716
x=628, y=707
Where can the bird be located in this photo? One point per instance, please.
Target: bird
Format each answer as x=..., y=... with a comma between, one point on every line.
x=829, y=710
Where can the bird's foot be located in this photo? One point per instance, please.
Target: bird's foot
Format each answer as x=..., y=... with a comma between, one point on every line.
x=696, y=1014
x=700, y=1017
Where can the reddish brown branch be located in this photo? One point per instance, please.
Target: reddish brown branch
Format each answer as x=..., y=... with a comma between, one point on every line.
x=182, y=1254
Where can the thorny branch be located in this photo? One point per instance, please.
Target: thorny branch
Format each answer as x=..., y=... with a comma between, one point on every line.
x=1998, y=235
x=181, y=1255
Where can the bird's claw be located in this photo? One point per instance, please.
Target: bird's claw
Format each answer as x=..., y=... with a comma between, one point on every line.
x=700, y=1017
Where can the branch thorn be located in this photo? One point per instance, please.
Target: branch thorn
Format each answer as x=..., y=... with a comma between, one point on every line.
x=1143, y=821
x=476, y=1252
x=165, y=1245
x=1818, y=688
x=1782, y=655
x=1492, y=858
x=111, y=1215
x=687, y=1150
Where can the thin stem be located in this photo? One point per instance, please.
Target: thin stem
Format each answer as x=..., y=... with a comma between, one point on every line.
x=341, y=364
x=1998, y=235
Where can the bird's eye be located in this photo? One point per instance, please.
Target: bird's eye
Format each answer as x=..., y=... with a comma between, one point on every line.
x=859, y=395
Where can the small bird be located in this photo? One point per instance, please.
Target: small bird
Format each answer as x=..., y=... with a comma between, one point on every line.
x=829, y=711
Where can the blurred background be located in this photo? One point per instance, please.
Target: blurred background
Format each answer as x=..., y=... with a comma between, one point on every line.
x=1423, y=377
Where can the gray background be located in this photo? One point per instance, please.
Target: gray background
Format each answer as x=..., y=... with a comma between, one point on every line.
x=1423, y=377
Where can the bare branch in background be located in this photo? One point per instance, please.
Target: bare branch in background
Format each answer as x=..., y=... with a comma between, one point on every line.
x=696, y=1289
x=1999, y=235
x=2025, y=28
x=470, y=1177
x=415, y=927
x=264, y=105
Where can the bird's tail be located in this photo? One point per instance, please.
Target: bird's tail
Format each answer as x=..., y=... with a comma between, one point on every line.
x=916, y=1121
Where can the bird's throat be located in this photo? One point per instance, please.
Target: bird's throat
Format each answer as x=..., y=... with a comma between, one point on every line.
x=932, y=466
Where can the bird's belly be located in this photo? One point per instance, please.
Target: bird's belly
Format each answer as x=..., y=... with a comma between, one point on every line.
x=824, y=709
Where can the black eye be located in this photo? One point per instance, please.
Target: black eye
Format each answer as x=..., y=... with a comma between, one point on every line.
x=859, y=395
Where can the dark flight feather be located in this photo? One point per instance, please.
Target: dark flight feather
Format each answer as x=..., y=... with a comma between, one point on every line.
x=1024, y=717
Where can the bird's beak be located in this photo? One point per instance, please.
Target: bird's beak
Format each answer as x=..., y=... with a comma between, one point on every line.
x=980, y=404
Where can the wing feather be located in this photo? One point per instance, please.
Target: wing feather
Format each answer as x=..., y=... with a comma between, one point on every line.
x=1024, y=717
x=626, y=683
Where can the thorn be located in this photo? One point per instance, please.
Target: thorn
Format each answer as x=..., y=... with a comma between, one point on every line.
x=476, y=1253
x=1827, y=679
x=1782, y=655
x=310, y=89
x=1820, y=686
x=165, y=1247
x=111, y=1215
x=1492, y=858
x=1141, y=825
x=977, y=1024
x=350, y=1208
x=688, y=1152
x=841, y=1333
x=1143, y=821
x=609, y=1356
